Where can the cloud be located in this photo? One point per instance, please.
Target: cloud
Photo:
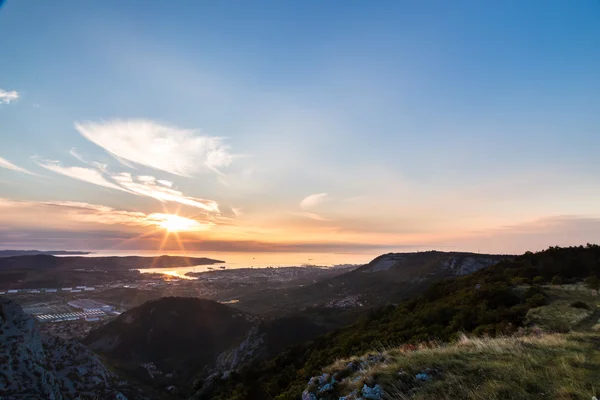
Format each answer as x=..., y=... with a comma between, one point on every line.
x=88, y=175
x=8, y=165
x=313, y=200
x=314, y=216
x=146, y=179
x=146, y=186
x=8, y=97
x=175, y=150
x=78, y=156
x=538, y=234
x=81, y=212
x=101, y=167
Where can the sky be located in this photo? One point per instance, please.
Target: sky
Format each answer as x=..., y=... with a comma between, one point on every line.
x=306, y=126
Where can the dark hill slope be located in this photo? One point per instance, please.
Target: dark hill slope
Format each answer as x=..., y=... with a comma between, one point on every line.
x=178, y=335
x=189, y=338
x=491, y=301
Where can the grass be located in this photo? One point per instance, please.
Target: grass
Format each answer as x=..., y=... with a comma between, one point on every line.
x=572, y=307
x=544, y=366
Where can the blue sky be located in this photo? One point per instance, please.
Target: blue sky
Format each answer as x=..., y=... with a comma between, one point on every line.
x=467, y=124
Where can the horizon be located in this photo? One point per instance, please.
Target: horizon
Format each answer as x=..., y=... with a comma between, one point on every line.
x=299, y=127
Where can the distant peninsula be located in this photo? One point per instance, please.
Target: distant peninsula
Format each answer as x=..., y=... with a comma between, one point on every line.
x=13, y=253
x=46, y=261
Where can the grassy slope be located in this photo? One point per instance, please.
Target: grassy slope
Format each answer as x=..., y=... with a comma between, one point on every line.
x=572, y=307
x=556, y=366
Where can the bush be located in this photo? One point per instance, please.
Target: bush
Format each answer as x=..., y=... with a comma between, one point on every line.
x=537, y=300
x=538, y=280
x=580, y=304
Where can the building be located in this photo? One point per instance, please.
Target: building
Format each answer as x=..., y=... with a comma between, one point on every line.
x=89, y=289
x=13, y=291
x=67, y=289
x=87, y=305
x=51, y=290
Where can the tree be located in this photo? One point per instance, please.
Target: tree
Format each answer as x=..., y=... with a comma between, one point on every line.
x=538, y=280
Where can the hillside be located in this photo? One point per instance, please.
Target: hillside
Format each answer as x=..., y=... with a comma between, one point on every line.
x=172, y=337
x=555, y=366
x=493, y=301
x=172, y=342
x=388, y=278
x=515, y=367
x=34, y=366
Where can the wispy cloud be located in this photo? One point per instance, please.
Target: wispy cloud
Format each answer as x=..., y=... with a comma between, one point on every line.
x=8, y=165
x=8, y=97
x=175, y=150
x=81, y=212
x=88, y=175
x=313, y=200
x=144, y=185
x=313, y=216
x=78, y=156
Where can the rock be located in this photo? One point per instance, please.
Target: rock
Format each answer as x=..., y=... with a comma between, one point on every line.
x=324, y=378
x=353, y=366
x=306, y=395
x=328, y=387
x=423, y=376
x=372, y=393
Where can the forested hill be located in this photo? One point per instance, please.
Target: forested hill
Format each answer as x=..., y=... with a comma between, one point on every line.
x=492, y=301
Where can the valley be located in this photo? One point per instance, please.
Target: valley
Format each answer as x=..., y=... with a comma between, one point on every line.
x=286, y=333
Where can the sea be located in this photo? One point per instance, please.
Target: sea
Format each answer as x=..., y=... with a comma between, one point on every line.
x=235, y=260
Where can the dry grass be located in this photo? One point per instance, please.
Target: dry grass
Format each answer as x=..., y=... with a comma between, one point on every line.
x=546, y=366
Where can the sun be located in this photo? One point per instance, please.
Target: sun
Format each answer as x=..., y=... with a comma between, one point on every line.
x=175, y=223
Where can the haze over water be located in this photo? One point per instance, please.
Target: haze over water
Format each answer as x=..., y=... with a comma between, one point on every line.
x=233, y=260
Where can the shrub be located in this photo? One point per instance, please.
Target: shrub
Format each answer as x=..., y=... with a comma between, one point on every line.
x=537, y=300
x=538, y=280
x=580, y=304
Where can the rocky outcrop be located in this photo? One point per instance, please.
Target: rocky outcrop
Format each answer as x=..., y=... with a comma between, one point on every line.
x=36, y=366
x=467, y=265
